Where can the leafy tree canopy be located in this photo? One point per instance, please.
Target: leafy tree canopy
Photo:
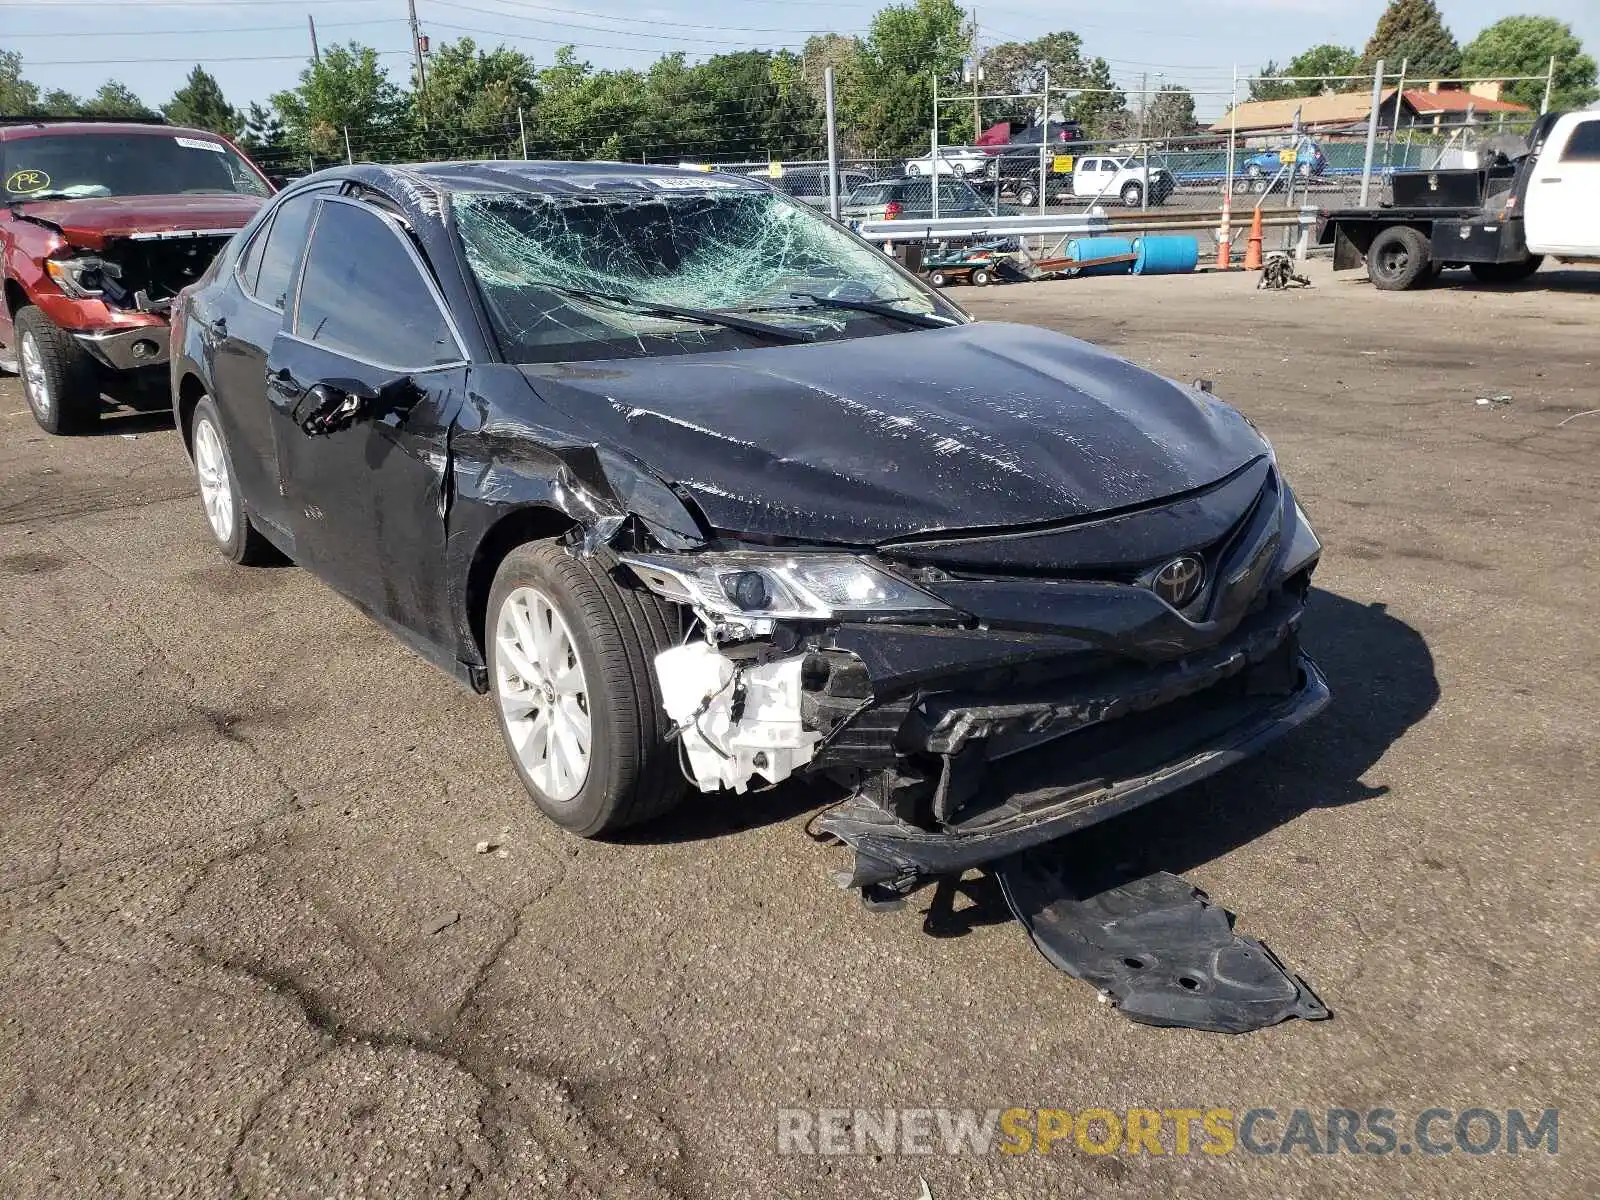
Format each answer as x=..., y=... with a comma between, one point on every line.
x=1524, y=46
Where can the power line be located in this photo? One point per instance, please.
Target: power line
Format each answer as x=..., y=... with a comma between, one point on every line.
x=653, y=23
x=122, y=33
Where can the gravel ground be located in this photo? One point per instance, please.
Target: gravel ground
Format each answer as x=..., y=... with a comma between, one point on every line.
x=247, y=946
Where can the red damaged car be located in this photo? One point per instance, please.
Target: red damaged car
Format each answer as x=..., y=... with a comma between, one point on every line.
x=102, y=224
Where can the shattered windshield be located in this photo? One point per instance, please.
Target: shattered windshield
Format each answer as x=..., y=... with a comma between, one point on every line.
x=568, y=276
x=80, y=165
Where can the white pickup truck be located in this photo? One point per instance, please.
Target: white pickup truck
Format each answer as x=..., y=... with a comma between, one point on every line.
x=1501, y=221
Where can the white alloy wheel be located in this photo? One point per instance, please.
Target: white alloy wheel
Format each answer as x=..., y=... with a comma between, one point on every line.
x=216, y=489
x=36, y=384
x=542, y=692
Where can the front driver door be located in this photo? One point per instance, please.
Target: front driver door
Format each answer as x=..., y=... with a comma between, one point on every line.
x=364, y=382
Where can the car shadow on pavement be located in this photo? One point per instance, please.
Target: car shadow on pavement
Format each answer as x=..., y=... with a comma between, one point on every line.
x=127, y=421
x=1381, y=674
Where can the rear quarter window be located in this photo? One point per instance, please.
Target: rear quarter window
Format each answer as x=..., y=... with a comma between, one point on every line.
x=1584, y=143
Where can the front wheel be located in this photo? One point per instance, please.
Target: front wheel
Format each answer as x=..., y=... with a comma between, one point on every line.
x=938, y=279
x=1131, y=195
x=1027, y=196
x=571, y=654
x=58, y=376
x=981, y=278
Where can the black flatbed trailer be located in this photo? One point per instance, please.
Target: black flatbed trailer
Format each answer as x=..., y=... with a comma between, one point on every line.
x=1470, y=217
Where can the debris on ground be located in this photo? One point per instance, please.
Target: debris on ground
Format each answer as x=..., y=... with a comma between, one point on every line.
x=1589, y=413
x=485, y=847
x=439, y=922
x=1278, y=273
x=1154, y=946
x=1493, y=401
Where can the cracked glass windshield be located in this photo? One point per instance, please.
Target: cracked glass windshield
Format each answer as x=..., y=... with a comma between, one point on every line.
x=585, y=276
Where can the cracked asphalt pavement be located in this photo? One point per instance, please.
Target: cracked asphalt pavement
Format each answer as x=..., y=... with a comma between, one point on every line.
x=248, y=946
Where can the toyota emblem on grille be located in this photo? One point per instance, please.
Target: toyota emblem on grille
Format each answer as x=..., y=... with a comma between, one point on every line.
x=1178, y=582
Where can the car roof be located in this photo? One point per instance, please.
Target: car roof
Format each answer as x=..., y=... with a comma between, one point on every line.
x=558, y=177
x=13, y=129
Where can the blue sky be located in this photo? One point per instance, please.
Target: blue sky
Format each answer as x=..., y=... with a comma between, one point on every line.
x=258, y=46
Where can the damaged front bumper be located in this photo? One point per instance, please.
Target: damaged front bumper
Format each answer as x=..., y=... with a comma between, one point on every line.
x=1078, y=780
x=128, y=349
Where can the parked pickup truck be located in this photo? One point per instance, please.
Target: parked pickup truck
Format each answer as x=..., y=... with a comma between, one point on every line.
x=1500, y=221
x=102, y=223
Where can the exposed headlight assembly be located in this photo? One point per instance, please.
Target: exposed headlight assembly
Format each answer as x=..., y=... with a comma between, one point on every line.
x=758, y=585
x=83, y=277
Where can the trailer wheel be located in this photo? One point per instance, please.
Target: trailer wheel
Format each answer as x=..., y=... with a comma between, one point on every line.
x=1506, y=272
x=1398, y=258
x=937, y=278
x=981, y=278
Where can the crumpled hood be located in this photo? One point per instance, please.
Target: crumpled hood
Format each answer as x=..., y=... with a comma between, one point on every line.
x=978, y=426
x=89, y=221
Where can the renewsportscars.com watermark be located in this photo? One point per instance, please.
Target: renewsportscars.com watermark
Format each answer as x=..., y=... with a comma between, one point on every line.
x=1166, y=1131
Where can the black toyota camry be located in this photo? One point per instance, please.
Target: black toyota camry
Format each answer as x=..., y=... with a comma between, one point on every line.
x=706, y=492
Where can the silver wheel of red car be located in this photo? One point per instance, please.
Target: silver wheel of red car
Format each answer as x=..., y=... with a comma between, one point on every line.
x=58, y=377
x=543, y=695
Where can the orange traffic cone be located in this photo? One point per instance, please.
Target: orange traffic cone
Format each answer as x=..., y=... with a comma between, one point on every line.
x=1252, y=250
x=1224, y=237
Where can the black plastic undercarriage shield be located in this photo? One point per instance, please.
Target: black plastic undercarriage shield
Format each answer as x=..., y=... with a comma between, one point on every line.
x=1155, y=946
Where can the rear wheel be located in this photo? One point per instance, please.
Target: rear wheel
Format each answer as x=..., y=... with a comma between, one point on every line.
x=571, y=656
x=1027, y=195
x=236, y=536
x=1132, y=193
x=981, y=278
x=1398, y=258
x=58, y=376
x=938, y=279
x=1507, y=272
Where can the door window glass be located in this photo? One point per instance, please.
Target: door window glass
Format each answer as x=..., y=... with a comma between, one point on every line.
x=362, y=295
x=270, y=279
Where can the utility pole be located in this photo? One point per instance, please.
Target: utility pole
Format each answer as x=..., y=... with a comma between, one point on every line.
x=1144, y=99
x=416, y=52
x=977, y=77
x=1372, y=131
x=316, y=54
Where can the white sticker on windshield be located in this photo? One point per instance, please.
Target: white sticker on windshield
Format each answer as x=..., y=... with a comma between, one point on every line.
x=199, y=144
x=697, y=184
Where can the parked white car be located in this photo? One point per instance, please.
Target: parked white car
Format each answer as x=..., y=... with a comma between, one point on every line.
x=1125, y=179
x=954, y=161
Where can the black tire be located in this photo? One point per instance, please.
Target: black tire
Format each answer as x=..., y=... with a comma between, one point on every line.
x=937, y=279
x=244, y=543
x=1304, y=170
x=66, y=397
x=1027, y=196
x=1507, y=272
x=617, y=630
x=981, y=278
x=1254, y=171
x=1399, y=258
x=1132, y=194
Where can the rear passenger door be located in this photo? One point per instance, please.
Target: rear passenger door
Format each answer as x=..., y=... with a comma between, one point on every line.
x=365, y=381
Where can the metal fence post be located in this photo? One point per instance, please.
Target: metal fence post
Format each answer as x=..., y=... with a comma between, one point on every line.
x=933, y=164
x=522, y=129
x=1372, y=132
x=1549, y=85
x=833, y=144
x=348, y=157
x=1044, y=138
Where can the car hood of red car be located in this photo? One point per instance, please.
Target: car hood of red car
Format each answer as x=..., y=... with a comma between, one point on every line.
x=90, y=221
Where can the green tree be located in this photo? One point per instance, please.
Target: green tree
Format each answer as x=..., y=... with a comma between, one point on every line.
x=1019, y=68
x=58, y=102
x=1171, y=113
x=1413, y=32
x=18, y=97
x=1319, y=68
x=471, y=101
x=199, y=103
x=1269, y=83
x=347, y=90
x=889, y=98
x=116, y=99
x=825, y=50
x=1524, y=46
x=263, y=131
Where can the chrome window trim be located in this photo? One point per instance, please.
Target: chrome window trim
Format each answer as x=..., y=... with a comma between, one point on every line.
x=266, y=231
x=399, y=232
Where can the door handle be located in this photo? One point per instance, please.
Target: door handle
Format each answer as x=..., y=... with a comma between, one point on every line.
x=219, y=327
x=1550, y=179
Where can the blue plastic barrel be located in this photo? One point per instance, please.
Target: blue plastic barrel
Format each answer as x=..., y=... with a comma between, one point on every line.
x=1086, y=249
x=1165, y=255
